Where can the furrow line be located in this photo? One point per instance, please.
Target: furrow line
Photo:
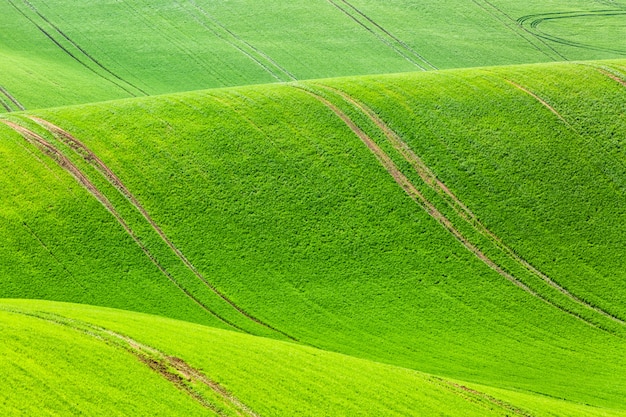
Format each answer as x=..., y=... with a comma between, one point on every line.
x=540, y=100
x=517, y=24
x=612, y=76
x=378, y=36
x=177, y=371
x=11, y=98
x=83, y=51
x=67, y=51
x=391, y=35
x=5, y=105
x=91, y=158
x=240, y=44
x=463, y=390
x=592, y=138
x=419, y=198
x=535, y=20
x=65, y=163
x=464, y=212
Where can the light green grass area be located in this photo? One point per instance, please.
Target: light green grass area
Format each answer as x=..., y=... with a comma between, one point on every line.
x=280, y=206
x=270, y=378
x=61, y=52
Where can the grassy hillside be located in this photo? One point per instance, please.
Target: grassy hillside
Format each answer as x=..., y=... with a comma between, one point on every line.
x=136, y=363
x=62, y=52
x=465, y=223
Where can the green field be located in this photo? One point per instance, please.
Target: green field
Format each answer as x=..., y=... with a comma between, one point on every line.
x=330, y=208
x=60, y=52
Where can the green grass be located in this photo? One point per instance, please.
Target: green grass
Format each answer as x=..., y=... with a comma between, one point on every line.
x=285, y=211
x=59, y=52
x=269, y=377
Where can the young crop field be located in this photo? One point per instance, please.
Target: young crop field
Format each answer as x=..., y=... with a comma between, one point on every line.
x=322, y=208
x=60, y=52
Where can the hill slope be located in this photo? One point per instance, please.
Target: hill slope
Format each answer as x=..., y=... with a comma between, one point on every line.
x=142, y=365
x=58, y=52
x=465, y=223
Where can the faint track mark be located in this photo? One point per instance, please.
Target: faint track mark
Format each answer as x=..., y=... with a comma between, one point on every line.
x=383, y=38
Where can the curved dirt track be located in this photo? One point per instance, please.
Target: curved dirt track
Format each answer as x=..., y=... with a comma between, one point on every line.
x=91, y=158
x=180, y=373
x=65, y=163
x=406, y=184
x=430, y=179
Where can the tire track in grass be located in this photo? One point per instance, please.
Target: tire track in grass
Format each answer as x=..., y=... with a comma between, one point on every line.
x=399, y=41
x=431, y=180
x=12, y=99
x=179, y=42
x=83, y=51
x=384, y=37
x=474, y=395
x=533, y=21
x=517, y=25
x=65, y=163
x=540, y=100
x=405, y=183
x=83, y=151
x=67, y=51
x=259, y=57
x=178, y=372
x=612, y=76
x=5, y=105
x=592, y=138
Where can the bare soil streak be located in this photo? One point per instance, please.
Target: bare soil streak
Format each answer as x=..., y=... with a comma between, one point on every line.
x=92, y=159
x=430, y=179
x=176, y=370
x=418, y=197
x=66, y=164
x=540, y=100
x=612, y=76
x=458, y=389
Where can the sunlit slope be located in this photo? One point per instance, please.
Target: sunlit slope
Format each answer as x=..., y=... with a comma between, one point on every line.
x=62, y=52
x=109, y=362
x=307, y=212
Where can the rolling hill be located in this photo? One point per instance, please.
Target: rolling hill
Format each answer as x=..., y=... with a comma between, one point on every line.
x=458, y=234
x=321, y=208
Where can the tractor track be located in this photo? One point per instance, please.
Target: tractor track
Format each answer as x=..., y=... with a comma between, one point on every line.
x=535, y=20
x=270, y=66
x=178, y=372
x=403, y=44
x=568, y=124
x=431, y=180
x=12, y=99
x=540, y=100
x=65, y=163
x=611, y=76
x=430, y=208
x=465, y=392
x=68, y=52
x=178, y=42
x=82, y=50
x=517, y=25
x=83, y=151
x=380, y=37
